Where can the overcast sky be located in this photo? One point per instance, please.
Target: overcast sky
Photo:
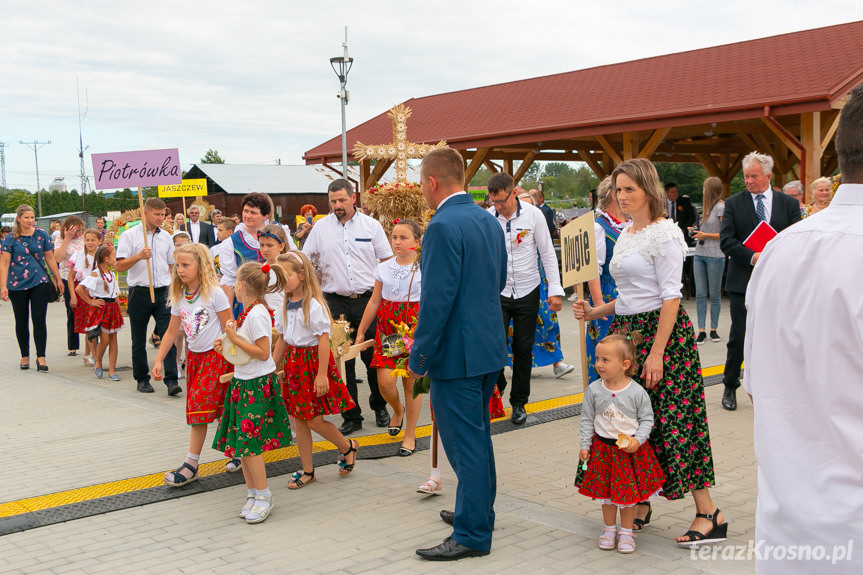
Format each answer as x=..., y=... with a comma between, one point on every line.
x=253, y=81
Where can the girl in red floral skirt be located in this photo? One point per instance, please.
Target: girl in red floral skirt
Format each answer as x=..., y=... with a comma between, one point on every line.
x=99, y=291
x=254, y=419
x=396, y=299
x=82, y=264
x=311, y=384
x=618, y=465
x=201, y=309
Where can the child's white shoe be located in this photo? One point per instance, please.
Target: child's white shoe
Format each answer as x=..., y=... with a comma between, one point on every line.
x=608, y=538
x=625, y=541
x=261, y=509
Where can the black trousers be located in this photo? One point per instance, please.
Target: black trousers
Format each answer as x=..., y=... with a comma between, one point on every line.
x=29, y=303
x=353, y=310
x=72, y=339
x=140, y=310
x=736, y=337
x=523, y=312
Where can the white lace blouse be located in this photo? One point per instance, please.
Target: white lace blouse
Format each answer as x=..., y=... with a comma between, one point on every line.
x=647, y=267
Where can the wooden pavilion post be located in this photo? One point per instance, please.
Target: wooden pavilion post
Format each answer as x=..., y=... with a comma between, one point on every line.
x=810, y=136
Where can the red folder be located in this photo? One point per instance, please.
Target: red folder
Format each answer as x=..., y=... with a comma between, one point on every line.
x=759, y=237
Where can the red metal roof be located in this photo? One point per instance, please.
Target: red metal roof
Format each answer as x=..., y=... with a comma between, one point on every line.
x=792, y=73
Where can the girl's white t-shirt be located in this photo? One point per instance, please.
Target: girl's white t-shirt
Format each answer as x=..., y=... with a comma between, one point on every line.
x=257, y=324
x=199, y=321
x=82, y=264
x=292, y=324
x=395, y=280
x=95, y=285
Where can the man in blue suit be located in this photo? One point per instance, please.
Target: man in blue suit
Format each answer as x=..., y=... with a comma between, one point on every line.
x=459, y=344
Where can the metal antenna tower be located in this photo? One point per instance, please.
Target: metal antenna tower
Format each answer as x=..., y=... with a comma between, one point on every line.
x=85, y=182
x=36, y=146
x=2, y=167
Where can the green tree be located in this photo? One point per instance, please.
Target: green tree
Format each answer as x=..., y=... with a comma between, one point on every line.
x=689, y=178
x=480, y=179
x=212, y=157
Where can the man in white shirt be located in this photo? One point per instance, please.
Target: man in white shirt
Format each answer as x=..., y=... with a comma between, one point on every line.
x=200, y=232
x=132, y=257
x=345, y=247
x=526, y=233
x=804, y=336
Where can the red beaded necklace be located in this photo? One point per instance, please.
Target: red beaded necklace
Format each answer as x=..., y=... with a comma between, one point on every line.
x=242, y=317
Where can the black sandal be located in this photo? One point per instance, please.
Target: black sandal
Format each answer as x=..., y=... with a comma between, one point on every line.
x=297, y=482
x=156, y=340
x=178, y=479
x=345, y=468
x=234, y=465
x=716, y=534
x=638, y=524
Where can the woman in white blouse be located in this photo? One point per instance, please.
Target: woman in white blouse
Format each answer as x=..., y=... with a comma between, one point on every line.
x=647, y=266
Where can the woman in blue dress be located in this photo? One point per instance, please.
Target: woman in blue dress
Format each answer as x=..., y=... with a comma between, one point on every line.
x=607, y=226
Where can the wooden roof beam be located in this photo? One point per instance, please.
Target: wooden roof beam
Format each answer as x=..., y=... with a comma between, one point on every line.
x=831, y=125
x=478, y=158
x=381, y=167
x=785, y=137
x=525, y=165
x=653, y=142
x=593, y=164
x=609, y=149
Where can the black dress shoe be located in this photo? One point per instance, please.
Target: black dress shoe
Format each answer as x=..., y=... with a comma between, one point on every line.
x=145, y=387
x=382, y=417
x=449, y=550
x=174, y=389
x=729, y=399
x=519, y=415
x=349, y=426
x=24, y=366
x=447, y=516
x=41, y=366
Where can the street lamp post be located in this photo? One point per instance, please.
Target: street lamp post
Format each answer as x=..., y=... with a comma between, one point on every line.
x=36, y=146
x=344, y=63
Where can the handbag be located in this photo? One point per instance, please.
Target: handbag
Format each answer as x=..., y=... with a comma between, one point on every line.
x=53, y=294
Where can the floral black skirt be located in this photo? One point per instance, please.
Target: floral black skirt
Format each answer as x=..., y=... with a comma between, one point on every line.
x=680, y=437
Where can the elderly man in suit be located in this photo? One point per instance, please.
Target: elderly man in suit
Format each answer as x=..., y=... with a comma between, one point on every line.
x=460, y=345
x=743, y=213
x=200, y=231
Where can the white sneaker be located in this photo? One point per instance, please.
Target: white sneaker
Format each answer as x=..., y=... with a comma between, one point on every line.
x=572, y=297
x=89, y=361
x=562, y=369
x=181, y=373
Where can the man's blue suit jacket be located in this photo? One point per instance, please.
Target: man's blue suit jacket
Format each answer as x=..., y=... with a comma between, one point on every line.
x=460, y=326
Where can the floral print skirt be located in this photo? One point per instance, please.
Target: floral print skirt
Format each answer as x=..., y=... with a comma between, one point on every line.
x=108, y=316
x=397, y=311
x=298, y=385
x=680, y=436
x=254, y=418
x=205, y=395
x=598, y=328
x=619, y=478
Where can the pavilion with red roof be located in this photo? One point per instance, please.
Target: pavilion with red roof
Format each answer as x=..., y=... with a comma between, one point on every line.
x=780, y=95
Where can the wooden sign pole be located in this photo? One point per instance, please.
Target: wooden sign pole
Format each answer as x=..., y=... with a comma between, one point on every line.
x=582, y=339
x=144, y=231
x=185, y=217
x=434, y=442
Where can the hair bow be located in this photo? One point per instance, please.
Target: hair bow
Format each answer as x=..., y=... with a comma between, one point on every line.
x=265, y=268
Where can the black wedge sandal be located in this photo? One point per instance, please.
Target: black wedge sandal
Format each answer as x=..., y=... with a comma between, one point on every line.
x=638, y=524
x=716, y=534
x=345, y=468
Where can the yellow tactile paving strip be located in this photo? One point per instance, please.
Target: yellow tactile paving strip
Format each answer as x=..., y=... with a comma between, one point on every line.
x=49, y=501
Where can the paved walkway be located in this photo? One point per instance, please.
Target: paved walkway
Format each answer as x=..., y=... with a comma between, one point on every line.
x=67, y=430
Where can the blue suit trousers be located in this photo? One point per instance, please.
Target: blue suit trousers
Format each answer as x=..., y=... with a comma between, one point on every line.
x=461, y=413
